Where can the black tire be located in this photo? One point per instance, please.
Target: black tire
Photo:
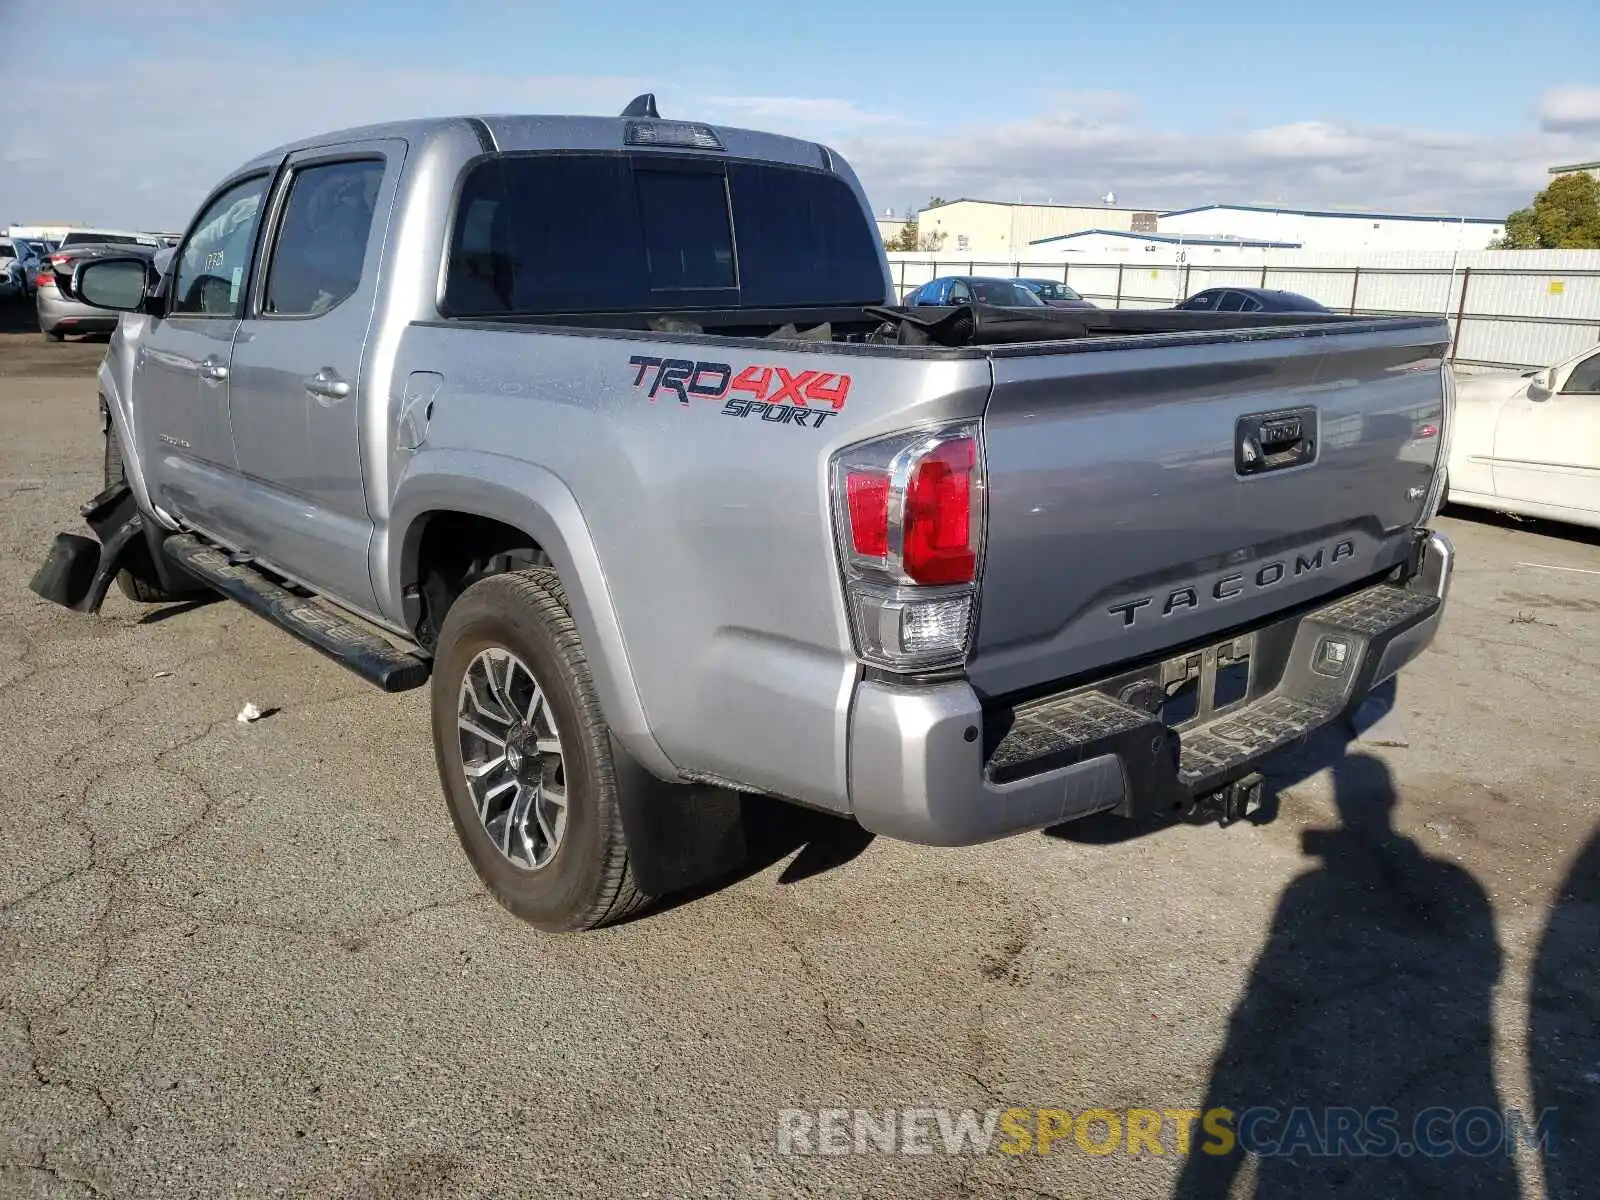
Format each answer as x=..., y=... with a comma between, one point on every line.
x=588, y=881
x=136, y=583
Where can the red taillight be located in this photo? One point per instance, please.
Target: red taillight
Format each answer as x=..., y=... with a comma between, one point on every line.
x=938, y=543
x=1428, y=431
x=45, y=279
x=867, y=497
x=57, y=259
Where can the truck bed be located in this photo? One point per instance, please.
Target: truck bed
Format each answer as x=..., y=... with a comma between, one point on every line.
x=963, y=327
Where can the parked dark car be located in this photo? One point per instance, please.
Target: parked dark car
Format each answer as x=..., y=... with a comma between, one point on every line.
x=1056, y=294
x=1249, y=299
x=951, y=290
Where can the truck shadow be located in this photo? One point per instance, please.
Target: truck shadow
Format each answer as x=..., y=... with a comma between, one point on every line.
x=1360, y=1059
x=774, y=830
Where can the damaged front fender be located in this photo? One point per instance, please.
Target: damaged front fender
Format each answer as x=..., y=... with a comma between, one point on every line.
x=78, y=571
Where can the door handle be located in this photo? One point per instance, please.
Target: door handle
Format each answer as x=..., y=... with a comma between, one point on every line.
x=326, y=383
x=213, y=369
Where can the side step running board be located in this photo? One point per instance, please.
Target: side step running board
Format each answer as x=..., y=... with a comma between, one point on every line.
x=340, y=638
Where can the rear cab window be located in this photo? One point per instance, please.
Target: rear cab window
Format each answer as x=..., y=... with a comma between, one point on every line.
x=608, y=232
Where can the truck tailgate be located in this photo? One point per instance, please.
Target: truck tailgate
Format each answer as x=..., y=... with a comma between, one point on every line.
x=1127, y=517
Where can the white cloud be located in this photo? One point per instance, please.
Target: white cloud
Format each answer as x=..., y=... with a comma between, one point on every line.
x=1075, y=154
x=813, y=117
x=138, y=142
x=1574, y=109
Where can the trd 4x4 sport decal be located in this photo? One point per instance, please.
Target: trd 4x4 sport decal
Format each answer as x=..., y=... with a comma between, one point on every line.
x=774, y=394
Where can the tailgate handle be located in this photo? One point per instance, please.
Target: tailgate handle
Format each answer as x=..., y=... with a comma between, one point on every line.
x=1272, y=441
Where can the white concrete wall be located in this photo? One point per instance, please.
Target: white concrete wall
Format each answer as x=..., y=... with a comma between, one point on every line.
x=988, y=228
x=1104, y=246
x=1513, y=308
x=1355, y=231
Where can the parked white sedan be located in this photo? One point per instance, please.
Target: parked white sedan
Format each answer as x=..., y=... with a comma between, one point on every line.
x=1530, y=443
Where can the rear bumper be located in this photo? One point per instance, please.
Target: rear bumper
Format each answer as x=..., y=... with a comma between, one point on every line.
x=70, y=316
x=928, y=764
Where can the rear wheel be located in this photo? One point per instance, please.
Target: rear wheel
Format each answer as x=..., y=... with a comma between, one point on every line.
x=524, y=756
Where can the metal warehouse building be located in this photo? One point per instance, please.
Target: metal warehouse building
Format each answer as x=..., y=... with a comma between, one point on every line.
x=997, y=230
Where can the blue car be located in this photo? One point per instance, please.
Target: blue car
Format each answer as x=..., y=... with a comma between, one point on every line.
x=950, y=290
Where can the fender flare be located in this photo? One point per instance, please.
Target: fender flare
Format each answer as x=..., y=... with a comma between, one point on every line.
x=539, y=503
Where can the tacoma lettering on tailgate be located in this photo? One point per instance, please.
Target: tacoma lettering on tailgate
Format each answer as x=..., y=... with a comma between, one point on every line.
x=1230, y=587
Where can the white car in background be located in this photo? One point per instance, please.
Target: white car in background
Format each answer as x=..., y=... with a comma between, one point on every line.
x=1530, y=444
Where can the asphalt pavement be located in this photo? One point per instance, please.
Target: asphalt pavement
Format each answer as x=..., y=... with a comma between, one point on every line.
x=250, y=959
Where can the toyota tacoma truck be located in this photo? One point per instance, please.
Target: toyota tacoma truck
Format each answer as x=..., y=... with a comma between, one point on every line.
x=609, y=430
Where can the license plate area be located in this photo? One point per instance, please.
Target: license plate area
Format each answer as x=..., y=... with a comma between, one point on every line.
x=1192, y=688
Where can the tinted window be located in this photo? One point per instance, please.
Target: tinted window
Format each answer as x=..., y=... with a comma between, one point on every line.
x=592, y=233
x=1052, y=291
x=1202, y=301
x=1585, y=377
x=7, y=250
x=1004, y=294
x=1232, y=302
x=322, y=240
x=958, y=293
x=688, y=243
x=90, y=238
x=803, y=239
x=216, y=259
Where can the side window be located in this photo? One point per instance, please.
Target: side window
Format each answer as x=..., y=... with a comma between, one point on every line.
x=215, y=260
x=1204, y=302
x=1250, y=305
x=1584, y=379
x=1233, y=302
x=322, y=238
x=959, y=294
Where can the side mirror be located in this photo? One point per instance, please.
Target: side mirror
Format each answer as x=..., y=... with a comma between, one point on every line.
x=117, y=284
x=1538, y=391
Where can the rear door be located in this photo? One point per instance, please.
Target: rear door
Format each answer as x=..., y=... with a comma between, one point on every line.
x=1125, y=517
x=181, y=380
x=297, y=368
x=1547, y=452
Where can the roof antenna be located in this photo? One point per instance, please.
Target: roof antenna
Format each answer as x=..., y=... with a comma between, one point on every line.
x=642, y=106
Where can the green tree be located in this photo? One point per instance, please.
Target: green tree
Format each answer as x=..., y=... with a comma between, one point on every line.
x=1565, y=216
x=910, y=238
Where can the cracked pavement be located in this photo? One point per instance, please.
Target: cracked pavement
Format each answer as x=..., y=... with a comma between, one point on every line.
x=251, y=960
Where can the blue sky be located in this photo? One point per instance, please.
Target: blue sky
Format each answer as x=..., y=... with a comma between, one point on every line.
x=1387, y=105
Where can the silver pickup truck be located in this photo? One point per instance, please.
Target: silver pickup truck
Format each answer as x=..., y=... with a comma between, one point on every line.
x=611, y=428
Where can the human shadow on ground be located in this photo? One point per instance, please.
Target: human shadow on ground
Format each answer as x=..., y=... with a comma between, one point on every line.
x=1371, y=997
x=1564, y=1031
